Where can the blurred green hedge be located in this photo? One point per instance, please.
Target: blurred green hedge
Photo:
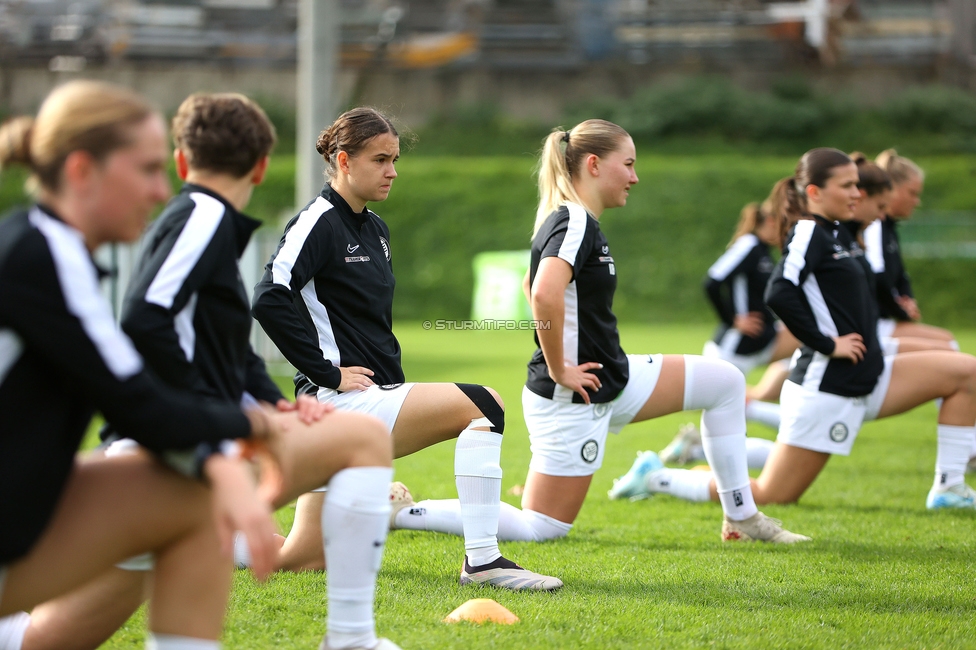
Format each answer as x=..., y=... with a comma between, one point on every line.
x=443, y=210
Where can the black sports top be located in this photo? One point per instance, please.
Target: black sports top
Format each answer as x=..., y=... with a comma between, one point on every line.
x=186, y=308
x=735, y=285
x=820, y=290
x=62, y=357
x=326, y=298
x=589, y=326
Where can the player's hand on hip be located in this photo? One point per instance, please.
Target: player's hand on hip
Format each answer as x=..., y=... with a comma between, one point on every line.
x=578, y=378
x=355, y=378
x=850, y=346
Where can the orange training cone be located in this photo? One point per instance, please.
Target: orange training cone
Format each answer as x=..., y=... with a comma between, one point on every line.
x=481, y=610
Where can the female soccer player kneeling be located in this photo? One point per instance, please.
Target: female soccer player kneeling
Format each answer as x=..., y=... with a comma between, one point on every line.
x=326, y=300
x=581, y=385
x=187, y=312
x=821, y=290
x=97, y=154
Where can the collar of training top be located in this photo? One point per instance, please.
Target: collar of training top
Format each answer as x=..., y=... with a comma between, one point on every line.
x=340, y=204
x=102, y=272
x=244, y=226
x=824, y=221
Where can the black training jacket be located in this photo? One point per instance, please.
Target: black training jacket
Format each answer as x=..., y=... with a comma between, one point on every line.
x=735, y=285
x=326, y=298
x=62, y=358
x=186, y=308
x=820, y=289
x=589, y=325
x=884, y=253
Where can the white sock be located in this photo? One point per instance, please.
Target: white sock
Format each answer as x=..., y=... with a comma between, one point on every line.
x=955, y=444
x=757, y=452
x=12, y=630
x=242, y=552
x=690, y=485
x=478, y=475
x=720, y=389
x=763, y=412
x=514, y=525
x=355, y=517
x=174, y=642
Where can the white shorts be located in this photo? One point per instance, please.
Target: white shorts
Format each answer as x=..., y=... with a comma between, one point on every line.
x=744, y=362
x=383, y=402
x=825, y=422
x=886, y=327
x=889, y=344
x=568, y=439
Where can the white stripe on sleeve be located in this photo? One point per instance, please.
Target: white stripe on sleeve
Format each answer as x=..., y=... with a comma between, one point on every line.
x=574, y=233
x=570, y=338
x=11, y=347
x=825, y=322
x=187, y=251
x=873, y=246
x=732, y=257
x=284, y=260
x=79, y=286
x=796, y=256
x=740, y=294
x=323, y=324
x=185, y=332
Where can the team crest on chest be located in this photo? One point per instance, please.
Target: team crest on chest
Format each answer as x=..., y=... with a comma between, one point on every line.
x=386, y=247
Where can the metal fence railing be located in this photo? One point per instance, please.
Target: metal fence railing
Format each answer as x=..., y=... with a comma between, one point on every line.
x=939, y=235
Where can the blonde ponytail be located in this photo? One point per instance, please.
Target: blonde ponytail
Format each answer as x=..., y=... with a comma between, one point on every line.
x=15, y=141
x=750, y=219
x=899, y=168
x=559, y=162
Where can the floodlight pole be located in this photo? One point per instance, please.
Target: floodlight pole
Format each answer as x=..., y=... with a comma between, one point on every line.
x=318, y=65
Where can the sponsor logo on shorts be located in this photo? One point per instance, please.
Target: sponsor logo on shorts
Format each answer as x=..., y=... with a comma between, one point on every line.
x=590, y=450
x=386, y=247
x=599, y=410
x=605, y=249
x=650, y=358
x=838, y=432
x=351, y=249
x=360, y=258
x=391, y=386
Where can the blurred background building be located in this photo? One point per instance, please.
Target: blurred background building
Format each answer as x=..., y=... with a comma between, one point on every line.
x=529, y=56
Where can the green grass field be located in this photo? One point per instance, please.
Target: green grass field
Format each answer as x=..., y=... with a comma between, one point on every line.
x=881, y=571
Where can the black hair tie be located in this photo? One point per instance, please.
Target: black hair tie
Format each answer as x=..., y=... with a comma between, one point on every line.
x=566, y=137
